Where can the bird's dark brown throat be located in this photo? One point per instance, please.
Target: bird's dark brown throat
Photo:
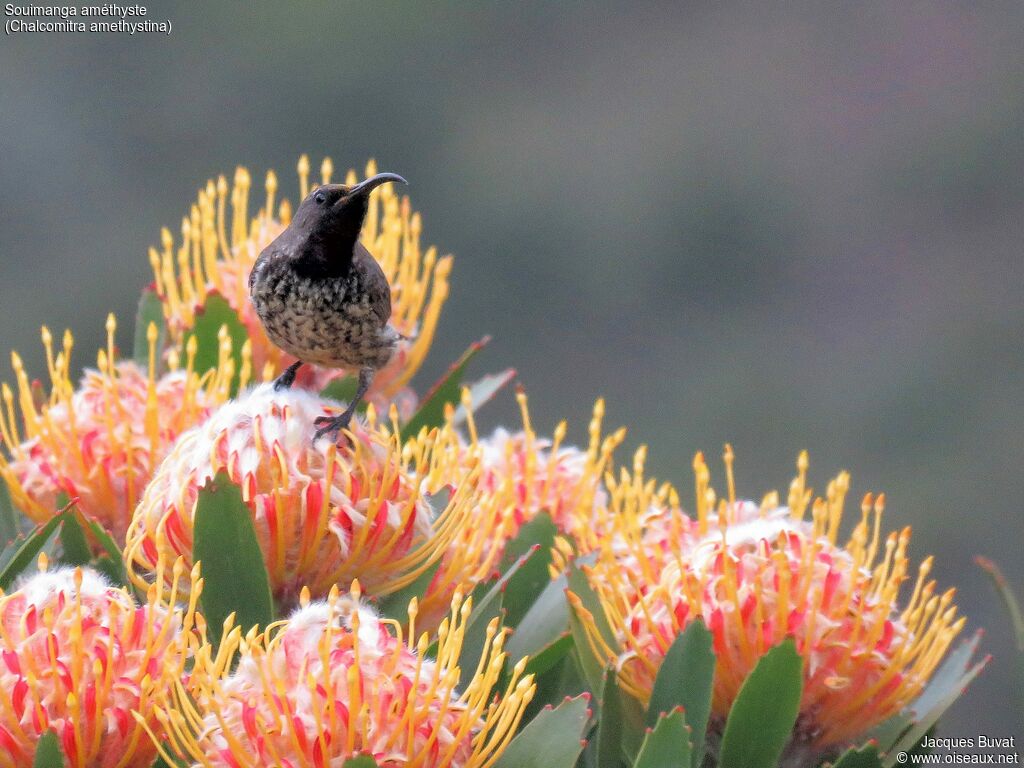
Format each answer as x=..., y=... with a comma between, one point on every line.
x=322, y=297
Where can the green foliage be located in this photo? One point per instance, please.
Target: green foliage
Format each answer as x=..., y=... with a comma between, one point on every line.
x=487, y=605
x=590, y=663
x=20, y=553
x=235, y=577
x=363, y=761
x=537, y=537
x=10, y=524
x=865, y=757
x=761, y=720
x=74, y=545
x=151, y=311
x=545, y=623
x=483, y=390
x=448, y=390
x=667, y=745
x=553, y=739
x=685, y=679
x=1014, y=612
x=111, y=564
x=48, y=752
x=619, y=729
x=215, y=314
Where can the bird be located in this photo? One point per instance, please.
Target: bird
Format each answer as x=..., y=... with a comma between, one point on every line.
x=322, y=297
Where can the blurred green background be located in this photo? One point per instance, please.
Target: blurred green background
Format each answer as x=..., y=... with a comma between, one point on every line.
x=790, y=228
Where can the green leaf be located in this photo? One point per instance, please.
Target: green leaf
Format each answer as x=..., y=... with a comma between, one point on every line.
x=113, y=563
x=48, y=752
x=151, y=311
x=1012, y=609
x=620, y=726
x=685, y=679
x=161, y=763
x=544, y=624
x=553, y=739
x=215, y=314
x=447, y=390
x=10, y=519
x=524, y=587
x=667, y=745
x=592, y=666
x=482, y=391
x=761, y=720
x=363, y=761
x=485, y=609
x=396, y=605
x=547, y=657
x=74, y=545
x=866, y=757
x=25, y=549
x=234, y=575
x=955, y=674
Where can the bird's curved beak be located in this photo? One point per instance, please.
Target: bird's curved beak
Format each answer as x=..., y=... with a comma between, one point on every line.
x=365, y=187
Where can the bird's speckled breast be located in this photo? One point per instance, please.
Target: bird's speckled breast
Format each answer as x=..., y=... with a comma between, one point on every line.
x=327, y=322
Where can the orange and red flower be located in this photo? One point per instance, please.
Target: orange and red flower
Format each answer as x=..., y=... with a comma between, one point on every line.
x=80, y=658
x=101, y=442
x=335, y=681
x=756, y=574
x=324, y=515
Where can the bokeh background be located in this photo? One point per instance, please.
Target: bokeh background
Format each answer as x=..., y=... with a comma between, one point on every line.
x=789, y=228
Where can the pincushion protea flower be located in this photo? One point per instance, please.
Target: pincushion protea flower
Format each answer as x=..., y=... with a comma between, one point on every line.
x=335, y=681
x=101, y=442
x=521, y=475
x=757, y=574
x=324, y=514
x=525, y=474
x=530, y=474
x=79, y=657
x=217, y=252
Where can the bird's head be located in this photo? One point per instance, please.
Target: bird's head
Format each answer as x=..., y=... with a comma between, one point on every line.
x=332, y=214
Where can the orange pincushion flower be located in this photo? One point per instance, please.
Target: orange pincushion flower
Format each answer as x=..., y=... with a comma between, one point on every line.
x=335, y=681
x=79, y=657
x=217, y=252
x=528, y=474
x=324, y=514
x=757, y=574
x=101, y=442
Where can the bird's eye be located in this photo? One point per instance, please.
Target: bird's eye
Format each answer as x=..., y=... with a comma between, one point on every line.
x=320, y=198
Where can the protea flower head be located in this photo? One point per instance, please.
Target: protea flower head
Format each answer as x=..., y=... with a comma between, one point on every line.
x=101, y=442
x=217, y=251
x=529, y=473
x=323, y=514
x=335, y=681
x=521, y=475
x=79, y=657
x=757, y=574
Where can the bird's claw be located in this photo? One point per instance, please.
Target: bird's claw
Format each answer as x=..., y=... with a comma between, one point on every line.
x=330, y=425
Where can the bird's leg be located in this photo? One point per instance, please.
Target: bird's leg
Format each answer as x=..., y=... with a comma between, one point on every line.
x=332, y=425
x=286, y=379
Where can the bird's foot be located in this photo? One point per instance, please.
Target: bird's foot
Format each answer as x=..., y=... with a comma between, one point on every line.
x=331, y=425
x=286, y=379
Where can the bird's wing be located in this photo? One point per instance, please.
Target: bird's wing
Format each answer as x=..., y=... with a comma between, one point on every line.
x=374, y=282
